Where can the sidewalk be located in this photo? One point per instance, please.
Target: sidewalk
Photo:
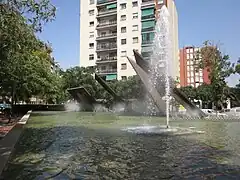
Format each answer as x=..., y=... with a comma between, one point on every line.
x=7, y=145
x=8, y=142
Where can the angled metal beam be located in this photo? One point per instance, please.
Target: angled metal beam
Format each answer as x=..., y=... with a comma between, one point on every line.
x=83, y=97
x=108, y=88
x=176, y=93
x=157, y=99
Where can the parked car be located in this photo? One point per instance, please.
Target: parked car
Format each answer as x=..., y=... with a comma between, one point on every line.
x=234, y=112
x=5, y=108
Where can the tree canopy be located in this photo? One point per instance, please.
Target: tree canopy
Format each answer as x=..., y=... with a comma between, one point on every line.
x=25, y=61
x=219, y=68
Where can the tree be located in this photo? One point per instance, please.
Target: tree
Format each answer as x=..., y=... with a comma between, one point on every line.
x=203, y=93
x=190, y=92
x=25, y=61
x=237, y=70
x=35, y=12
x=219, y=69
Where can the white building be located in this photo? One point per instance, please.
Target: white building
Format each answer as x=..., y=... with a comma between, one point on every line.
x=111, y=29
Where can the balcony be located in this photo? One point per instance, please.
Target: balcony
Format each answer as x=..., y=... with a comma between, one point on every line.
x=146, y=43
x=106, y=47
x=106, y=60
x=105, y=2
x=146, y=49
x=106, y=36
x=108, y=10
x=108, y=24
x=150, y=3
x=149, y=17
x=147, y=4
x=149, y=29
x=107, y=71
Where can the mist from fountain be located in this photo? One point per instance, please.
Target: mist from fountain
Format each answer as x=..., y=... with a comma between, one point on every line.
x=161, y=59
x=72, y=106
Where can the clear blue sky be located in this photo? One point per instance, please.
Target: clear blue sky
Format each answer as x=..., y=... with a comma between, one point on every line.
x=199, y=20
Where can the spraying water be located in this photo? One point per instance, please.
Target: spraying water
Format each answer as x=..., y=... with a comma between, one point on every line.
x=161, y=57
x=72, y=106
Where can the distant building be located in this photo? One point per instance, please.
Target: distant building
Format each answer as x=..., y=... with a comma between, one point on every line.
x=190, y=74
x=111, y=29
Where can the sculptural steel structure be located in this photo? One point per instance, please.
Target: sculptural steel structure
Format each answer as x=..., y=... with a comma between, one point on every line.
x=81, y=95
x=141, y=67
x=108, y=89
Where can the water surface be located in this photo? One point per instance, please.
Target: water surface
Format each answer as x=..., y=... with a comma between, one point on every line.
x=61, y=145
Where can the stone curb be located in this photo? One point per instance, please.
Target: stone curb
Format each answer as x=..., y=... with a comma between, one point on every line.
x=25, y=118
x=8, y=142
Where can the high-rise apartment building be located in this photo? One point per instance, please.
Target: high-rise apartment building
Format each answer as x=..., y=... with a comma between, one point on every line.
x=190, y=74
x=111, y=29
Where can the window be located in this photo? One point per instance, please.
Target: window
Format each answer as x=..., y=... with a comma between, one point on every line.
x=123, y=17
x=91, y=23
x=135, y=40
x=148, y=37
x=123, y=6
x=135, y=15
x=123, y=41
x=134, y=4
x=103, y=68
x=91, y=45
x=91, y=12
x=135, y=28
x=148, y=13
x=148, y=24
x=91, y=34
x=191, y=56
x=187, y=50
x=91, y=56
x=191, y=50
x=124, y=66
x=123, y=29
x=123, y=53
x=91, y=2
x=124, y=78
x=187, y=56
x=103, y=34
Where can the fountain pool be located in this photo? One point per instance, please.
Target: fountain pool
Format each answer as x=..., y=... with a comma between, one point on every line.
x=73, y=145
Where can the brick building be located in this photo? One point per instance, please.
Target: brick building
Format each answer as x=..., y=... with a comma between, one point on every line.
x=190, y=74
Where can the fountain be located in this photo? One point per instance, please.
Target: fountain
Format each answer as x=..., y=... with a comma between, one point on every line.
x=161, y=54
x=152, y=74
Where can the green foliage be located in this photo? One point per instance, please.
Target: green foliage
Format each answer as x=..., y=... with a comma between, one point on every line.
x=36, y=12
x=25, y=61
x=80, y=76
x=237, y=70
x=219, y=68
x=190, y=92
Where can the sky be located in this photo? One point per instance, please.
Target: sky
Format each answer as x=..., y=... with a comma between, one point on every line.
x=198, y=21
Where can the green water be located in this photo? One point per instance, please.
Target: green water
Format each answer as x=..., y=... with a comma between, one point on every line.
x=61, y=145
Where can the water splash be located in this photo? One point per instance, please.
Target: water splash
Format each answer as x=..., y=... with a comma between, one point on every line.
x=161, y=59
x=72, y=106
x=100, y=108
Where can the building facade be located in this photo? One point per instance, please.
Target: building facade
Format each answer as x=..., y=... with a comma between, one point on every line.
x=190, y=74
x=111, y=29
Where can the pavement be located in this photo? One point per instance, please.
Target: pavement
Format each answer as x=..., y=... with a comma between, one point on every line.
x=7, y=145
x=8, y=142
